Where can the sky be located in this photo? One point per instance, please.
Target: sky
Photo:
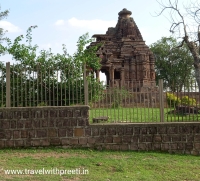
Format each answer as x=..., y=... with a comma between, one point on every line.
x=63, y=21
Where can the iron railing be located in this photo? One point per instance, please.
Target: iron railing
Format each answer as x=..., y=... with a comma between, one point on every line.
x=25, y=86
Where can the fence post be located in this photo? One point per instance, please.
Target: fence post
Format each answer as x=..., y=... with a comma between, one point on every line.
x=85, y=85
x=161, y=100
x=7, y=84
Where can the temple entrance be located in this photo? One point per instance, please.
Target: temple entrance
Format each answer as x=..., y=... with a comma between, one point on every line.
x=116, y=75
x=103, y=78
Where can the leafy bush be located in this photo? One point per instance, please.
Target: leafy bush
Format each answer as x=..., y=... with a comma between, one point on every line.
x=185, y=100
x=42, y=104
x=172, y=100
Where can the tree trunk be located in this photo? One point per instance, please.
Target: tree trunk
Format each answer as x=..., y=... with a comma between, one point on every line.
x=197, y=76
x=195, y=53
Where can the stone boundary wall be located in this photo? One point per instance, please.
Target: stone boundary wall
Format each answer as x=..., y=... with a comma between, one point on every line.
x=69, y=127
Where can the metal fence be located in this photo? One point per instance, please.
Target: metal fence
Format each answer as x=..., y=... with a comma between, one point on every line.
x=119, y=104
x=25, y=86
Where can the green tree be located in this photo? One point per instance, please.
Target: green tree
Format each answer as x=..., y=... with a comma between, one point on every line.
x=55, y=79
x=174, y=66
x=185, y=24
x=3, y=14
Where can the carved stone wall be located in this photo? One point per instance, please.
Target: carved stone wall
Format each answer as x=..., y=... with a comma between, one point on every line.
x=124, y=52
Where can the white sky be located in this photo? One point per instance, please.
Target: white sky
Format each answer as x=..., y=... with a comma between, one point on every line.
x=64, y=21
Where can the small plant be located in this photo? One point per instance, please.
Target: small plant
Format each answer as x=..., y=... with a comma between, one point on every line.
x=186, y=101
x=42, y=104
x=172, y=100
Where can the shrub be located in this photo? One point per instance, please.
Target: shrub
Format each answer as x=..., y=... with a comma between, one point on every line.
x=172, y=100
x=42, y=104
x=186, y=101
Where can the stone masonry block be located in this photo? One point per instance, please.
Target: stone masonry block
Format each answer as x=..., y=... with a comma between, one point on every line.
x=73, y=141
x=16, y=134
x=124, y=147
x=17, y=115
x=41, y=133
x=69, y=132
x=176, y=138
x=55, y=141
x=77, y=113
x=172, y=130
x=88, y=131
x=108, y=139
x=53, y=113
x=66, y=123
x=78, y=132
x=44, y=123
x=52, y=132
x=46, y=114
x=35, y=142
x=99, y=139
x=83, y=141
x=117, y=139
x=62, y=132
x=161, y=129
x=152, y=130
x=74, y=122
x=28, y=124
x=2, y=144
x=102, y=131
x=24, y=134
x=45, y=142
x=19, y=143
x=157, y=138
x=20, y=123
x=185, y=129
x=111, y=131
x=128, y=131
x=5, y=124
x=91, y=140
x=157, y=146
x=143, y=130
x=95, y=131
x=127, y=139
x=81, y=122
x=25, y=114
x=142, y=146
x=134, y=146
x=9, y=143
x=62, y=113
x=120, y=131
x=65, y=141
x=59, y=123
x=13, y=124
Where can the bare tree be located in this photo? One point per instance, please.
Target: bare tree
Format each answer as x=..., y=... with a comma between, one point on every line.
x=185, y=23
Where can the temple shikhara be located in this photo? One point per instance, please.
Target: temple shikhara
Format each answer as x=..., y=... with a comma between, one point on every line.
x=125, y=58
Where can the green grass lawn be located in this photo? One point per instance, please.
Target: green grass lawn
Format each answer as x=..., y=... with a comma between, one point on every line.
x=140, y=115
x=101, y=165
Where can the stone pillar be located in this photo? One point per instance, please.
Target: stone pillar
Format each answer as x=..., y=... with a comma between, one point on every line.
x=132, y=75
x=132, y=72
x=122, y=77
x=144, y=69
x=111, y=72
x=97, y=75
x=152, y=71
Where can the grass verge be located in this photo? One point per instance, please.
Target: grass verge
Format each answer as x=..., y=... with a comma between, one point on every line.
x=140, y=115
x=102, y=165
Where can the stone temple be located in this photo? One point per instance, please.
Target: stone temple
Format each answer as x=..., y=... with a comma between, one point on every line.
x=125, y=58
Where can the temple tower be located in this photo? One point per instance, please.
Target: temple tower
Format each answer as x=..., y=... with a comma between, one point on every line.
x=125, y=58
